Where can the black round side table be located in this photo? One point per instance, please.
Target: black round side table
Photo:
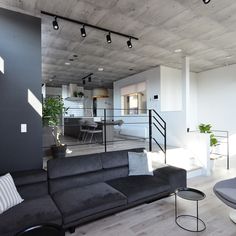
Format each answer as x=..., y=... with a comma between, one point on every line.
x=190, y=194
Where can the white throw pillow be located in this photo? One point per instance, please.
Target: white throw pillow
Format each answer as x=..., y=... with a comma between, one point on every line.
x=9, y=196
x=139, y=164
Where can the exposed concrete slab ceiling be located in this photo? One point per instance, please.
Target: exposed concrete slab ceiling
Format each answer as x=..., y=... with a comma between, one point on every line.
x=205, y=33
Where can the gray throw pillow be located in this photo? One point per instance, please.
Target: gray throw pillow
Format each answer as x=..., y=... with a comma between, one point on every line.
x=139, y=164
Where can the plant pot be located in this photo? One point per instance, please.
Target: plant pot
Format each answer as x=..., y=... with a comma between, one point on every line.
x=58, y=151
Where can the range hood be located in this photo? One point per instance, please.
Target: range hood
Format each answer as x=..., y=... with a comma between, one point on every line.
x=100, y=93
x=69, y=92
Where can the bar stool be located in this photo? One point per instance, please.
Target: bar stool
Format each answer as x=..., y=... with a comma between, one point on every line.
x=92, y=130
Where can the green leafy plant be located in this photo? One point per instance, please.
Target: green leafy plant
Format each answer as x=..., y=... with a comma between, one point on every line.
x=78, y=94
x=206, y=128
x=53, y=108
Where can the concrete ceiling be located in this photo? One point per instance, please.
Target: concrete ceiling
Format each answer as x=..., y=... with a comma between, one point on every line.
x=206, y=33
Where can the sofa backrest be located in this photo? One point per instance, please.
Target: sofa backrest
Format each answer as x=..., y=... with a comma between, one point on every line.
x=65, y=173
x=115, y=164
x=31, y=184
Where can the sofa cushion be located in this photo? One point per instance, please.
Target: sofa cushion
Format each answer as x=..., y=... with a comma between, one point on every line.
x=29, y=213
x=117, y=158
x=60, y=184
x=29, y=177
x=139, y=187
x=80, y=202
x=30, y=191
x=31, y=183
x=226, y=191
x=115, y=164
x=65, y=167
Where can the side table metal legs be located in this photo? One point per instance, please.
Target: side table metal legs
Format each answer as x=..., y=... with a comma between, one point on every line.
x=200, y=225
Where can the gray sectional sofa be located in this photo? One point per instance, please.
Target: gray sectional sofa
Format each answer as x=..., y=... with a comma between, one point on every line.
x=79, y=189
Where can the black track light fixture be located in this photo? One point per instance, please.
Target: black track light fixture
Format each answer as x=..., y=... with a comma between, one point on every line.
x=84, y=82
x=90, y=79
x=55, y=24
x=85, y=24
x=206, y=1
x=129, y=44
x=83, y=32
x=109, y=37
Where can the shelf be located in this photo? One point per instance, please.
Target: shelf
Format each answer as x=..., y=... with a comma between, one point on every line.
x=79, y=99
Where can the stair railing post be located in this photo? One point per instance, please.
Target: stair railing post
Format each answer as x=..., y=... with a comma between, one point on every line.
x=150, y=129
x=105, y=130
x=227, y=150
x=165, y=141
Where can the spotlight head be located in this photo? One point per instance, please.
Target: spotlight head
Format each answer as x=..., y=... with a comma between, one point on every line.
x=129, y=44
x=109, y=37
x=206, y=1
x=84, y=82
x=55, y=24
x=83, y=32
x=89, y=79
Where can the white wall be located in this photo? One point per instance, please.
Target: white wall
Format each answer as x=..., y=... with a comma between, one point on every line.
x=216, y=100
x=171, y=89
x=217, y=97
x=152, y=79
x=53, y=91
x=175, y=117
x=105, y=103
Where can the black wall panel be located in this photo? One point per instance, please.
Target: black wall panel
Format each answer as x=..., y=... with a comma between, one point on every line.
x=20, y=47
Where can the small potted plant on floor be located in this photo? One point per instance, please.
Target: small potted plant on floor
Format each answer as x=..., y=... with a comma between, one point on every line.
x=53, y=108
x=206, y=128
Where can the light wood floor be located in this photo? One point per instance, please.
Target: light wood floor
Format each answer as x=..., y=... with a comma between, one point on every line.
x=157, y=218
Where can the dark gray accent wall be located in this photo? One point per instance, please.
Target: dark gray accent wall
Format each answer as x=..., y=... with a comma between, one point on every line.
x=20, y=47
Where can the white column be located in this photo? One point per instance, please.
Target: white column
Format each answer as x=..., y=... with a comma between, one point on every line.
x=44, y=91
x=186, y=89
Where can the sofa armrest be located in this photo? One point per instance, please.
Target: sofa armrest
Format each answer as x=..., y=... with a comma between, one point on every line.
x=176, y=177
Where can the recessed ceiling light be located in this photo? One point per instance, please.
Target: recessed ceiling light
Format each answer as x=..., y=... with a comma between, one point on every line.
x=178, y=50
x=67, y=63
x=100, y=69
x=228, y=57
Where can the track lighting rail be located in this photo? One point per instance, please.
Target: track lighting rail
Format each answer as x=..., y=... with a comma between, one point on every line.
x=88, y=25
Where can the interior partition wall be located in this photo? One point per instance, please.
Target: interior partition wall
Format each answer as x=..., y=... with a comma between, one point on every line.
x=20, y=89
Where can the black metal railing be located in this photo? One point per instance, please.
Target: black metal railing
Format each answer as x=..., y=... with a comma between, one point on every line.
x=146, y=120
x=157, y=123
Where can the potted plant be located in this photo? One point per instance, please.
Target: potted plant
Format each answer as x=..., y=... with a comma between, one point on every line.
x=53, y=108
x=206, y=128
x=80, y=94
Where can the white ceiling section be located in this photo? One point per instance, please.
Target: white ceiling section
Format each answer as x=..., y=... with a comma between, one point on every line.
x=206, y=33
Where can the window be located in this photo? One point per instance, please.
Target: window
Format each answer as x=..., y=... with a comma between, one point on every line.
x=133, y=99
